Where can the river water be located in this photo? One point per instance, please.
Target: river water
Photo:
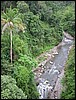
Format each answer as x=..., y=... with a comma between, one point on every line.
x=49, y=77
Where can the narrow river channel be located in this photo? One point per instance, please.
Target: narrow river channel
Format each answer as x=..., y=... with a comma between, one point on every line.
x=48, y=79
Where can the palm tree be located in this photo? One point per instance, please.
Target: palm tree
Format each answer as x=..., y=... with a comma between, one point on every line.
x=11, y=20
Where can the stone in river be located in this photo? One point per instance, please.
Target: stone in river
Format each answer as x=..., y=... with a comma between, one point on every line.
x=51, y=62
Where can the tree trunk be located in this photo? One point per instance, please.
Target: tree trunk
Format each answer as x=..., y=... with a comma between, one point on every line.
x=11, y=46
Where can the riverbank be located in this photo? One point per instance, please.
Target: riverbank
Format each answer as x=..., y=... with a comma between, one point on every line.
x=68, y=81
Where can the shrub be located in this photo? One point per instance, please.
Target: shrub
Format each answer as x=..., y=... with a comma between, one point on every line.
x=27, y=61
x=9, y=89
x=22, y=6
x=25, y=81
x=21, y=74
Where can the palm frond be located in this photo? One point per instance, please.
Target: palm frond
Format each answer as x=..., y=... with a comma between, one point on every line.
x=5, y=26
x=11, y=19
x=17, y=20
x=21, y=27
x=3, y=21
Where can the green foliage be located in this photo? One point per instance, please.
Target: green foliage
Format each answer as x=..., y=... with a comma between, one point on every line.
x=6, y=67
x=21, y=74
x=33, y=94
x=60, y=13
x=5, y=46
x=11, y=19
x=45, y=22
x=9, y=89
x=10, y=14
x=25, y=81
x=19, y=46
x=22, y=6
x=69, y=79
x=40, y=34
x=33, y=6
x=27, y=61
x=35, y=26
x=6, y=4
x=68, y=20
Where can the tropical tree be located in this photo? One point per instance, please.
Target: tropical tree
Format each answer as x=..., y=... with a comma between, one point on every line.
x=11, y=21
x=9, y=88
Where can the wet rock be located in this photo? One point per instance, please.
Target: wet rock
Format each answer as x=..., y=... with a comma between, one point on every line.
x=50, y=71
x=51, y=62
x=52, y=55
x=55, y=71
x=46, y=82
x=58, y=76
x=50, y=88
x=47, y=67
x=54, y=67
x=41, y=71
x=39, y=74
x=56, y=53
x=37, y=83
x=68, y=41
x=55, y=97
x=35, y=73
x=48, y=55
x=42, y=68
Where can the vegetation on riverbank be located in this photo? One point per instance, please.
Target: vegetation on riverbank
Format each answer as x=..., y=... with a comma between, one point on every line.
x=69, y=79
x=30, y=28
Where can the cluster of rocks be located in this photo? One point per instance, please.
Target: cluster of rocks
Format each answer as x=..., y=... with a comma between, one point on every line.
x=41, y=67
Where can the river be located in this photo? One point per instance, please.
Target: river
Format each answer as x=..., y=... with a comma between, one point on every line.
x=49, y=79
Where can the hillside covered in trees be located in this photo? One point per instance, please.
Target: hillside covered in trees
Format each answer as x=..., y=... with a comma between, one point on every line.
x=28, y=28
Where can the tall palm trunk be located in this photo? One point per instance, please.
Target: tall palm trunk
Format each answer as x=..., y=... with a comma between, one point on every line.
x=11, y=46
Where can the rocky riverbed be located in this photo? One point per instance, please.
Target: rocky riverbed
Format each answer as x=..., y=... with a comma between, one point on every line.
x=49, y=73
